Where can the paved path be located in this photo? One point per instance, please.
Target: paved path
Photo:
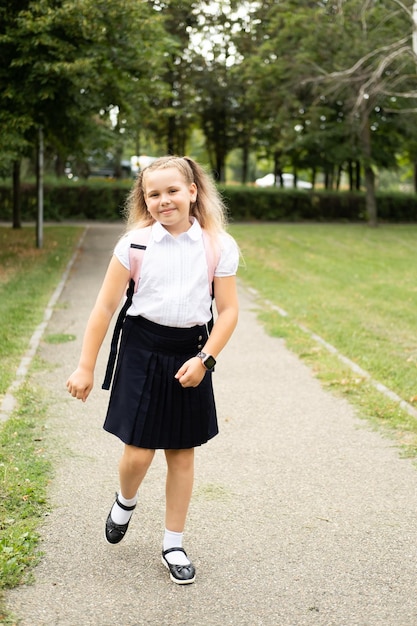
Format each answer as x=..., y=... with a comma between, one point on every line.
x=301, y=515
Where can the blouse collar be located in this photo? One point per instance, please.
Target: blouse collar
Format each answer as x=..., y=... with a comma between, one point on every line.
x=194, y=232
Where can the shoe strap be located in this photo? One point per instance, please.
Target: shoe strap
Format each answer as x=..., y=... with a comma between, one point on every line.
x=123, y=506
x=164, y=552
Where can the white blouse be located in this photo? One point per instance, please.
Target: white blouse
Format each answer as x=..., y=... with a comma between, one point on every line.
x=173, y=288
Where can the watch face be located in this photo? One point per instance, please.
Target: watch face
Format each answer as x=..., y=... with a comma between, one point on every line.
x=210, y=362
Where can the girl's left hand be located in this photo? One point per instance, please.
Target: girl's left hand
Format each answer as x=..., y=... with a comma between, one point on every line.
x=191, y=373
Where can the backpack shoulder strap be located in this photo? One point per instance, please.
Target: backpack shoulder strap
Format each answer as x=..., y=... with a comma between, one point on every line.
x=137, y=250
x=213, y=257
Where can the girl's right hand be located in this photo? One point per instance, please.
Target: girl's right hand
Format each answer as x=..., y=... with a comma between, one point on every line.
x=80, y=383
x=191, y=373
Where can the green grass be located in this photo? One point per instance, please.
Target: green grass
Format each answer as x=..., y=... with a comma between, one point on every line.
x=25, y=470
x=354, y=286
x=28, y=278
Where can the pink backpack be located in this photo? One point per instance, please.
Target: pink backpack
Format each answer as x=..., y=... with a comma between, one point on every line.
x=136, y=253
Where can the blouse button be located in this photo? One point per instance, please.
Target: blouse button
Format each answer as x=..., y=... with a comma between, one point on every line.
x=200, y=337
x=200, y=345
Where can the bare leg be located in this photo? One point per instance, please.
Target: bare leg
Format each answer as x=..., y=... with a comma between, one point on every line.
x=133, y=466
x=179, y=486
x=132, y=470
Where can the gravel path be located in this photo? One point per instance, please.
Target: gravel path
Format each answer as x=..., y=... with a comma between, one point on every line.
x=301, y=514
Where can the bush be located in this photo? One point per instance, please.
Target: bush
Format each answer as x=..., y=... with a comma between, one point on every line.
x=103, y=200
x=397, y=207
x=96, y=201
x=291, y=205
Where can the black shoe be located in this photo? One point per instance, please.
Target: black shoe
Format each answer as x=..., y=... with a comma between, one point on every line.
x=179, y=574
x=115, y=532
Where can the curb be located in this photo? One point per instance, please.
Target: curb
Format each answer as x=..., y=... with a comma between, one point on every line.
x=9, y=401
x=403, y=404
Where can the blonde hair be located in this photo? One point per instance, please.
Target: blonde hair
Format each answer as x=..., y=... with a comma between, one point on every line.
x=208, y=208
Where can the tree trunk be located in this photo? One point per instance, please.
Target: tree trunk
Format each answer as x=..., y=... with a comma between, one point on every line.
x=326, y=179
x=17, y=212
x=358, y=176
x=339, y=177
x=350, y=174
x=371, y=207
x=415, y=176
x=245, y=162
x=118, y=153
x=220, y=167
x=59, y=166
x=278, y=169
x=181, y=142
x=295, y=179
x=137, y=142
x=331, y=177
x=40, y=189
x=171, y=130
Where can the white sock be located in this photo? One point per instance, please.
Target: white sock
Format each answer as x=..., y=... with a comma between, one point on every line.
x=119, y=515
x=174, y=540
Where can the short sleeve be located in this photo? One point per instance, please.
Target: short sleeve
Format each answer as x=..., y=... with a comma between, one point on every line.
x=121, y=250
x=229, y=257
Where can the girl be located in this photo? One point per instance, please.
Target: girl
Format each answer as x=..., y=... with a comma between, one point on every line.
x=162, y=395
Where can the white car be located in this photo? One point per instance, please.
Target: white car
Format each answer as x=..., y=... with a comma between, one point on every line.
x=288, y=179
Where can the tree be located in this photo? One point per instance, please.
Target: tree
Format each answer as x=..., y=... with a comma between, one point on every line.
x=218, y=94
x=324, y=85
x=274, y=97
x=172, y=101
x=367, y=76
x=324, y=91
x=64, y=62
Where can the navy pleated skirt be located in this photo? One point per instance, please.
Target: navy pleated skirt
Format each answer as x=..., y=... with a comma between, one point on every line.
x=148, y=407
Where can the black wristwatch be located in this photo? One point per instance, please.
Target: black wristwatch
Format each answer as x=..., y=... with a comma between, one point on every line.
x=208, y=361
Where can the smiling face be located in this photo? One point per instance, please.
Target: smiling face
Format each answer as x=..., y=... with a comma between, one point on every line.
x=168, y=197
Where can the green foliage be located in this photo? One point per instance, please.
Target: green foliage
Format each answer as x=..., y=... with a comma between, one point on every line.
x=98, y=200
x=65, y=62
x=105, y=201
x=266, y=204
x=397, y=207
x=305, y=85
x=248, y=203
x=169, y=101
